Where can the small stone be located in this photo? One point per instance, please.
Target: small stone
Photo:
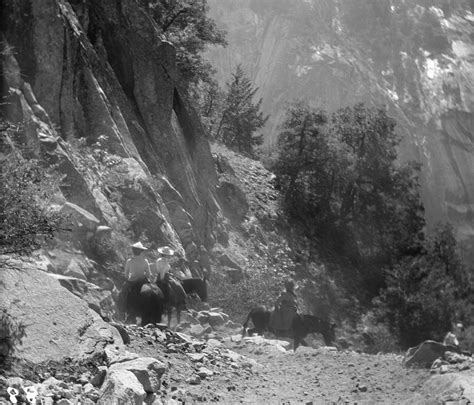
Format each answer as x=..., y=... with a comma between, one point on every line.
x=444, y=369
x=99, y=377
x=464, y=366
x=204, y=372
x=195, y=380
x=197, y=357
x=214, y=343
x=363, y=388
x=84, y=378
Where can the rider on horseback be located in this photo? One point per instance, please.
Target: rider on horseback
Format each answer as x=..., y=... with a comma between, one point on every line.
x=137, y=273
x=286, y=307
x=163, y=268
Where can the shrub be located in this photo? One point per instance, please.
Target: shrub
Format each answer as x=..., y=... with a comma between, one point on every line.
x=260, y=287
x=27, y=188
x=426, y=293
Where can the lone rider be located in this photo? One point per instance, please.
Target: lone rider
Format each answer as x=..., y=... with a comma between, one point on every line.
x=286, y=307
x=137, y=273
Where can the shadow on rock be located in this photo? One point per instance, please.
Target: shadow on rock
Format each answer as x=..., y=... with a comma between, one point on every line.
x=11, y=335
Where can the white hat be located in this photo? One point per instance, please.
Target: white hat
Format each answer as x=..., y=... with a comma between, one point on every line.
x=139, y=245
x=166, y=250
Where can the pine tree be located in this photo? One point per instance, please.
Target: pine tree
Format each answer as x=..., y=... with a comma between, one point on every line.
x=185, y=23
x=241, y=117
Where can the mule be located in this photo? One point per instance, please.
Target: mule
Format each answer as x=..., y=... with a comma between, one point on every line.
x=175, y=298
x=148, y=304
x=301, y=326
x=197, y=286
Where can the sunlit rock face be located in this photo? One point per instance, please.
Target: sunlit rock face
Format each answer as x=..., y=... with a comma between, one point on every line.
x=414, y=57
x=98, y=72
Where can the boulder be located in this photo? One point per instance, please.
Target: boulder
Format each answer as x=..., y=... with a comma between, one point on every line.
x=235, y=275
x=215, y=319
x=226, y=261
x=80, y=217
x=47, y=322
x=147, y=370
x=426, y=353
x=98, y=299
x=121, y=387
x=233, y=200
x=74, y=269
x=202, y=316
x=452, y=385
x=196, y=330
x=186, y=317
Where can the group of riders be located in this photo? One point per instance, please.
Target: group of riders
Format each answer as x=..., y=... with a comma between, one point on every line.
x=138, y=271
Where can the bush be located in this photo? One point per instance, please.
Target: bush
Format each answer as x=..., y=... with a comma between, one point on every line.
x=261, y=287
x=426, y=293
x=26, y=191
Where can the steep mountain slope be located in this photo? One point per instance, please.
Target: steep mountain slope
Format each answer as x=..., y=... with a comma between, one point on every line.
x=416, y=58
x=99, y=95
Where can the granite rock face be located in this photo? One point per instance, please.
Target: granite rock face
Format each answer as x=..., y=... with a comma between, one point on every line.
x=416, y=58
x=100, y=96
x=44, y=321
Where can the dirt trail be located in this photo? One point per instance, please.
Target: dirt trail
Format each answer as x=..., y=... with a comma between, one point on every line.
x=267, y=375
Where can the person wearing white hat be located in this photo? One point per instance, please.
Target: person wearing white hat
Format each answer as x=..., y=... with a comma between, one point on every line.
x=162, y=268
x=137, y=272
x=162, y=265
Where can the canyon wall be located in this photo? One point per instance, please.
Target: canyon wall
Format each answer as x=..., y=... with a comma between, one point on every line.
x=100, y=97
x=416, y=58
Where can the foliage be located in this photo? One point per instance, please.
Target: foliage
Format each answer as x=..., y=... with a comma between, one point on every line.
x=428, y=292
x=186, y=25
x=26, y=190
x=208, y=100
x=340, y=180
x=237, y=299
x=241, y=116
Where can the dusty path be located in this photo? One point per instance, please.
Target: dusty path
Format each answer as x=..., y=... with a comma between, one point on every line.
x=326, y=376
x=267, y=375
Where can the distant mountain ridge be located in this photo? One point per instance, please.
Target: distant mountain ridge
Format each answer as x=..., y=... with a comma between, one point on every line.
x=416, y=58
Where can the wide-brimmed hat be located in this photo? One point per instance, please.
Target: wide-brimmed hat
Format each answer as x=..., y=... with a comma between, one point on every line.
x=139, y=245
x=166, y=250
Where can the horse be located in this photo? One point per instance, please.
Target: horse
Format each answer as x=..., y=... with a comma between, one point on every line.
x=197, y=286
x=301, y=326
x=148, y=304
x=175, y=298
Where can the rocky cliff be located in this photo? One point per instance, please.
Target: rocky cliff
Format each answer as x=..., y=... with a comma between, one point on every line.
x=100, y=97
x=414, y=57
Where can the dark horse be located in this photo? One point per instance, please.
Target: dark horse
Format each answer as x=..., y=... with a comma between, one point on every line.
x=301, y=326
x=197, y=286
x=147, y=303
x=175, y=298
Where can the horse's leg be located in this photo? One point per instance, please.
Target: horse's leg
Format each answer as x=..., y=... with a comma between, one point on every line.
x=178, y=313
x=170, y=314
